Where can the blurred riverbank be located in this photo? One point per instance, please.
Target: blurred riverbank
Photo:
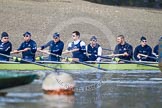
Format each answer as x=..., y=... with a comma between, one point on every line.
x=44, y=17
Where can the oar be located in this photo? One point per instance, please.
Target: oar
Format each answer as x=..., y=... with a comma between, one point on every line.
x=140, y=63
x=107, y=49
x=115, y=55
x=84, y=63
x=110, y=55
x=19, y=51
x=102, y=56
x=12, y=57
x=149, y=56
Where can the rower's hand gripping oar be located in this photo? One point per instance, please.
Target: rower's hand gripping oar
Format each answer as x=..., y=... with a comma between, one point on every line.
x=70, y=59
x=151, y=57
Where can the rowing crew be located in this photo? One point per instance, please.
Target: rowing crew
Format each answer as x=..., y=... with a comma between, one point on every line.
x=142, y=52
x=78, y=48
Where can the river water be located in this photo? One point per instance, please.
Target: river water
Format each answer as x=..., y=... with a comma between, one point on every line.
x=94, y=89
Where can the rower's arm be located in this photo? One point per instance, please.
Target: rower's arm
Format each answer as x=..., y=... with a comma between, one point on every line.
x=99, y=53
x=45, y=45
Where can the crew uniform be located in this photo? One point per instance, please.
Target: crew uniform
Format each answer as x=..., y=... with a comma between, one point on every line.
x=54, y=47
x=30, y=54
x=120, y=49
x=82, y=50
x=95, y=51
x=5, y=47
x=146, y=50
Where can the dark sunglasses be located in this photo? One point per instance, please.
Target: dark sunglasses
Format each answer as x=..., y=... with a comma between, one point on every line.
x=6, y=38
x=55, y=38
x=26, y=35
x=94, y=40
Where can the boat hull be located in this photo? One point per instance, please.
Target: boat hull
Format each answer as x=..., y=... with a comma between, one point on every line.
x=74, y=66
x=8, y=79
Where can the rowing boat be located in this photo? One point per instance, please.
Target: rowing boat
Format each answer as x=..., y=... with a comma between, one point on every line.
x=77, y=66
x=9, y=79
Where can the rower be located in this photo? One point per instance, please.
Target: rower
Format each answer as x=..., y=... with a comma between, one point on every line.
x=124, y=49
x=143, y=52
x=77, y=48
x=28, y=48
x=55, y=47
x=94, y=50
x=5, y=46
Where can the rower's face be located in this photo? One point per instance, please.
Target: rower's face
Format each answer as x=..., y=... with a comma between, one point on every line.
x=75, y=37
x=5, y=39
x=56, y=39
x=119, y=40
x=144, y=42
x=93, y=42
x=27, y=37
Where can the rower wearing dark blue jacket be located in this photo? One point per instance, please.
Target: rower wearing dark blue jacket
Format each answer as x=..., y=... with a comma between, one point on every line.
x=143, y=51
x=28, y=48
x=123, y=48
x=94, y=50
x=77, y=48
x=56, y=46
x=5, y=46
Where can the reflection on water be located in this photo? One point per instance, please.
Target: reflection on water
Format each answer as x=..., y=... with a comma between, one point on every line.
x=115, y=89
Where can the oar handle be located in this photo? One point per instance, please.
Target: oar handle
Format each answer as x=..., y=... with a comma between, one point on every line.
x=148, y=56
x=143, y=55
x=16, y=51
x=70, y=51
x=115, y=55
x=102, y=56
x=47, y=52
x=107, y=49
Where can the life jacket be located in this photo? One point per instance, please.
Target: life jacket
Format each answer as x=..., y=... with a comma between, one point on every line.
x=55, y=48
x=93, y=52
x=79, y=54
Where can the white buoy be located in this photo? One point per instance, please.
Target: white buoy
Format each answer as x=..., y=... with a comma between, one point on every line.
x=60, y=84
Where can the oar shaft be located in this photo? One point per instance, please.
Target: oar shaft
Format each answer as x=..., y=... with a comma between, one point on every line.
x=106, y=57
x=148, y=56
x=107, y=49
x=75, y=61
x=139, y=63
x=30, y=62
x=115, y=55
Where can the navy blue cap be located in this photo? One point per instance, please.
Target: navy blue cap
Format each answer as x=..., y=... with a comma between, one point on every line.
x=4, y=34
x=27, y=33
x=55, y=35
x=143, y=38
x=93, y=38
